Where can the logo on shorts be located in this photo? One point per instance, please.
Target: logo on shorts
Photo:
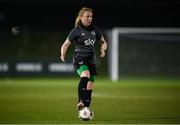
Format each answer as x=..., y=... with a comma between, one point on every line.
x=80, y=63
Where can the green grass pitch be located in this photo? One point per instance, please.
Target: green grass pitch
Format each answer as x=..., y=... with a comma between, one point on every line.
x=53, y=101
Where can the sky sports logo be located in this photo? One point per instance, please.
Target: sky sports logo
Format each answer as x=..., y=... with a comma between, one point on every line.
x=89, y=42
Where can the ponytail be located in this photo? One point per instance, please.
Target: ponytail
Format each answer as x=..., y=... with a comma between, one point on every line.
x=78, y=21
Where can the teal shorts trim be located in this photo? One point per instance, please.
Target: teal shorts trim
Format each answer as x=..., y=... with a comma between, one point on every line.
x=81, y=69
x=84, y=68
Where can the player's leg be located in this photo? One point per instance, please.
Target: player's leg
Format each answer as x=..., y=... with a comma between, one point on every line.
x=89, y=89
x=83, y=72
x=90, y=84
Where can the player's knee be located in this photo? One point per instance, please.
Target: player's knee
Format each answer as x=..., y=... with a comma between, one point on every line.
x=85, y=74
x=90, y=85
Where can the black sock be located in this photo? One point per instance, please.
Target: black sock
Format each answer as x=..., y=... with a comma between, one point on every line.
x=87, y=97
x=82, y=86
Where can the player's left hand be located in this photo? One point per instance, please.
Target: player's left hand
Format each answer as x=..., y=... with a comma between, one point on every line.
x=62, y=58
x=102, y=53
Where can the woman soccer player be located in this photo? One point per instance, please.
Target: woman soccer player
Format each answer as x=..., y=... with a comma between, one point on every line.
x=84, y=35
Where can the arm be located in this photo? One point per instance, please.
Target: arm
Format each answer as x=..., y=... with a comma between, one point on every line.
x=64, y=48
x=103, y=46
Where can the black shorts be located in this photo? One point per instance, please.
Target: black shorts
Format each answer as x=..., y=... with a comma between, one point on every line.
x=79, y=61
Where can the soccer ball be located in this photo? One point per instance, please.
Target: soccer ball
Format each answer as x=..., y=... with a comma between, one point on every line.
x=86, y=114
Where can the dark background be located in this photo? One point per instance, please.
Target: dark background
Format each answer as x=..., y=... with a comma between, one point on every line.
x=107, y=13
x=41, y=27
